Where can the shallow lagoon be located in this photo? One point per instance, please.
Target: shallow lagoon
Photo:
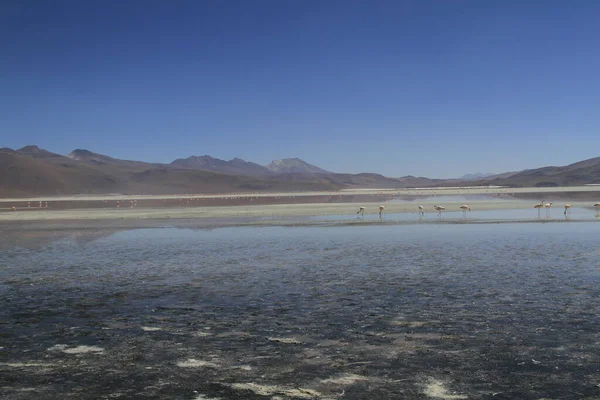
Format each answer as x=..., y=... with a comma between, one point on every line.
x=390, y=311
x=455, y=215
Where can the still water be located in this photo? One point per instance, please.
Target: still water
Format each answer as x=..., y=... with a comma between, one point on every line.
x=450, y=311
x=457, y=216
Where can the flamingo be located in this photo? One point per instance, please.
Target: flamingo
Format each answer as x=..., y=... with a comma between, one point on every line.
x=567, y=206
x=361, y=211
x=539, y=207
x=465, y=208
x=548, y=206
x=439, y=209
x=421, y=210
x=381, y=208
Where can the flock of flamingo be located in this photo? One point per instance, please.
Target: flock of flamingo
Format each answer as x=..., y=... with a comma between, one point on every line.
x=439, y=209
x=361, y=210
x=465, y=208
x=567, y=206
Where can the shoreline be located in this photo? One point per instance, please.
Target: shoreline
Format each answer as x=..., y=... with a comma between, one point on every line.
x=246, y=211
x=263, y=211
x=442, y=191
x=289, y=205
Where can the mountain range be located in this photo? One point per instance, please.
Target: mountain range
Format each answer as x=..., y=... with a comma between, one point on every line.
x=475, y=176
x=34, y=171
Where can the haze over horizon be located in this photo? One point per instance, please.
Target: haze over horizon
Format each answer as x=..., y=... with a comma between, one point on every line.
x=424, y=88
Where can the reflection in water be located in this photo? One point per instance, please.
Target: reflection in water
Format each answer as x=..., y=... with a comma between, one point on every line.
x=39, y=238
x=383, y=311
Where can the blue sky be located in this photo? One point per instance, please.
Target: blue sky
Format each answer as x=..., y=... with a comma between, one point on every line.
x=429, y=88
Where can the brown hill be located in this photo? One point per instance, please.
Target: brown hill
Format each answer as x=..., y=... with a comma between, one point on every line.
x=36, y=152
x=34, y=171
x=22, y=175
x=101, y=159
x=580, y=173
x=410, y=181
x=294, y=165
x=168, y=180
x=365, y=180
x=38, y=172
x=236, y=166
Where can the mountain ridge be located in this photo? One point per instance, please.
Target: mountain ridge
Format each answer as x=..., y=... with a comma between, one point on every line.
x=474, y=176
x=91, y=157
x=35, y=171
x=290, y=165
x=233, y=166
x=583, y=172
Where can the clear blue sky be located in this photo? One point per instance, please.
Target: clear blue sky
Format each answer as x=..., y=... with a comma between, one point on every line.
x=430, y=88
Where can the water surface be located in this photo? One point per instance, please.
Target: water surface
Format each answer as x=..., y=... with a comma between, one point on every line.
x=478, y=311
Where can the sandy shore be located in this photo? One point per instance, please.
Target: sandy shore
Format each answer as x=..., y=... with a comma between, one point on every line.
x=440, y=191
x=275, y=205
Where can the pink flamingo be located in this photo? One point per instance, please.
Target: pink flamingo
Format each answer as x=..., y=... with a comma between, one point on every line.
x=539, y=207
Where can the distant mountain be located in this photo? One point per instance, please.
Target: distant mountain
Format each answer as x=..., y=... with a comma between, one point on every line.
x=95, y=158
x=502, y=175
x=476, y=175
x=36, y=152
x=86, y=155
x=34, y=171
x=580, y=173
x=168, y=180
x=39, y=172
x=363, y=180
x=237, y=166
x=294, y=165
x=410, y=181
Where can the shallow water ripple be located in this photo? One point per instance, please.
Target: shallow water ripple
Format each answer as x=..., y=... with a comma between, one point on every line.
x=363, y=312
